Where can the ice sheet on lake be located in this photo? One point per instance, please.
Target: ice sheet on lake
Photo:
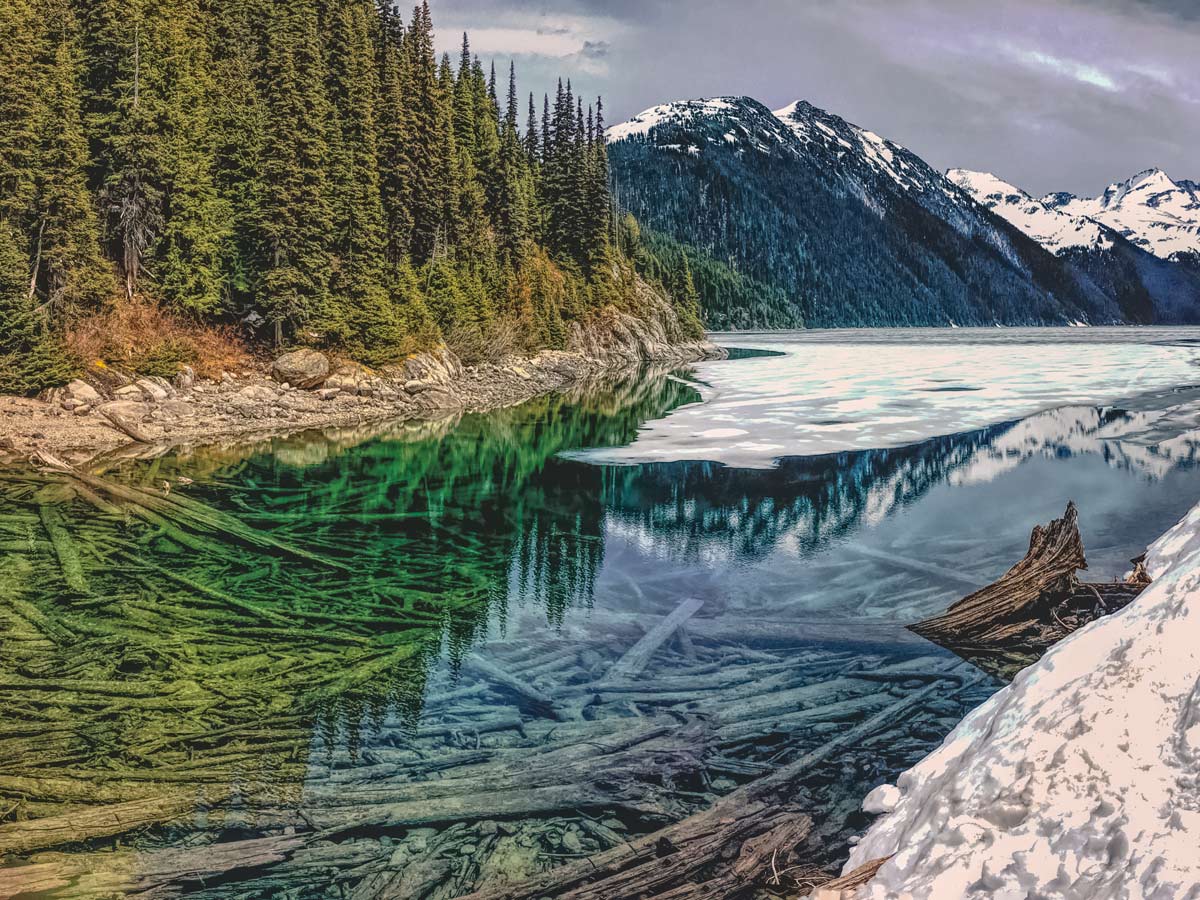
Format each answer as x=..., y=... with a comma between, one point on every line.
x=1077, y=781
x=854, y=390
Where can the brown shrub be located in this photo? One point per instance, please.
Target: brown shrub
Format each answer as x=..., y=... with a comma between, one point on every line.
x=142, y=337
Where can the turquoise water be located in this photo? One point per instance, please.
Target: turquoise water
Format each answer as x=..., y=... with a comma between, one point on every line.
x=403, y=660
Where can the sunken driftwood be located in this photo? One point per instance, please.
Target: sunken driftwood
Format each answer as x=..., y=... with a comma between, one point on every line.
x=1009, y=624
x=726, y=851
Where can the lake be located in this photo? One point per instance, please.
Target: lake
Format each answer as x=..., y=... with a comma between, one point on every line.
x=421, y=659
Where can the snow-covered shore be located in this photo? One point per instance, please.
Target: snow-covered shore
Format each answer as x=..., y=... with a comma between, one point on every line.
x=1080, y=780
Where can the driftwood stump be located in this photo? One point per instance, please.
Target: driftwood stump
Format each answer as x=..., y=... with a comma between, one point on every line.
x=1009, y=624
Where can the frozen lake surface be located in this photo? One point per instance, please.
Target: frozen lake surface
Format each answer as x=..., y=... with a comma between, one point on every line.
x=833, y=391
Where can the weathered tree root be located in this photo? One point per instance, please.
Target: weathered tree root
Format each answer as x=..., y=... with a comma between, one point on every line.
x=1009, y=624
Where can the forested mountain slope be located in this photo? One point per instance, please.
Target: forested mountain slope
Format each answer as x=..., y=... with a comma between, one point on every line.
x=799, y=217
x=305, y=169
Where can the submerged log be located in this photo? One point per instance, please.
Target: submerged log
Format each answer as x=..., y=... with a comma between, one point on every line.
x=718, y=853
x=526, y=695
x=639, y=655
x=93, y=822
x=64, y=548
x=1039, y=601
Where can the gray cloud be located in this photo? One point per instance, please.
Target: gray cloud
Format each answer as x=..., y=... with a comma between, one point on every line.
x=596, y=49
x=1050, y=94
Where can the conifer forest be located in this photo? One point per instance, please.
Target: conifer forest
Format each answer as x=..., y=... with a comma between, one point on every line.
x=308, y=172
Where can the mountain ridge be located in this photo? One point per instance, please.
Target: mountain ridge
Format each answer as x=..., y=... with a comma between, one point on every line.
x=845, y=227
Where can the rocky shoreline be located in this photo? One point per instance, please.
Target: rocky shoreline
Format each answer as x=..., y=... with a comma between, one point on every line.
x=101, y=412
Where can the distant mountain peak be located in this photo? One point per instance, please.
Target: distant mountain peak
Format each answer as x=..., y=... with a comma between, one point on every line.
x=689, y=126
x=646, y=121
x=1151, y=209
x=1057, y=231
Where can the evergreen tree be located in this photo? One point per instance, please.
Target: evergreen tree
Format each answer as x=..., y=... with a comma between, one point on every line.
x=68, y=268
x=533, y=146
x=19, y=106
x=358, y=237
x=394, y=126
x=31, y=353
x=239, y=124
x=464, y=103
x=297, y=218
x=510, y=114
x=197, y=220
x=468, y=225
x=597, y=230
x=126, y=56
x=515, y=194
x=424, y=139
x=487, y=138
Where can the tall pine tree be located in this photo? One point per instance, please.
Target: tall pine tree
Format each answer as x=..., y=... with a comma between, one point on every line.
x=297, y=217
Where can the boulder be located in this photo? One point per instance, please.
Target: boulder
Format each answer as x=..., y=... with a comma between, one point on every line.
x=83, y=392
x=258, y=393
x=177, y=409
x=152, y=389
x=302, y=368
x=127, y=409
x=435, y=366
x=345, y=383
x=129, y=392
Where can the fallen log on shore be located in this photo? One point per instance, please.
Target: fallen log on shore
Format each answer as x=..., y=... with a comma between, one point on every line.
x=1010, y=623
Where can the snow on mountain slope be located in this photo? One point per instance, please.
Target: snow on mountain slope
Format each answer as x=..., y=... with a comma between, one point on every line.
x=813, y=125
x=743, y=123
x=679, y=112
x=1054, y=229
x=687, y=125
x=1160, y=215
x=1077, y=781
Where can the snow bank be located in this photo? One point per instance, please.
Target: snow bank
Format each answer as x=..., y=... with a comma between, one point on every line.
x=1080, y=780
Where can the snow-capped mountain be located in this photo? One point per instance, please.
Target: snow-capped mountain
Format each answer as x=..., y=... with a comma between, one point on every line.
x=1050, y=226
x=1159, y=215
x=798, y=216
x=1152, y=285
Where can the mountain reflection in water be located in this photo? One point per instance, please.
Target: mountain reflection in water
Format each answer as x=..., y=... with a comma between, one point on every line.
x=229, y=693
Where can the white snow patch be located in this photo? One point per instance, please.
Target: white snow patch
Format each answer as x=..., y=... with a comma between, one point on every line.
x=1079, y=780
x=679, y=111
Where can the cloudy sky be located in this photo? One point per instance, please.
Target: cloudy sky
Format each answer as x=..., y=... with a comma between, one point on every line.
x=1049, y=94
